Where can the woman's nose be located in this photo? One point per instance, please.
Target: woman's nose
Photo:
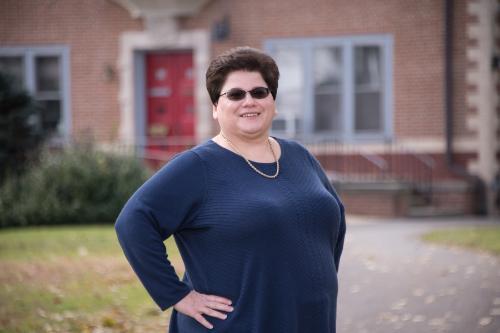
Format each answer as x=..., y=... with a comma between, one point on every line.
x=248, y=100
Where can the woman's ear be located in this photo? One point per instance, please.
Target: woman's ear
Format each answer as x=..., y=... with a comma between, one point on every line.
x=214, y=111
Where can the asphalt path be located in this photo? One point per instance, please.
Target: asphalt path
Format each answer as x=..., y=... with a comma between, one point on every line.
x=391, y=281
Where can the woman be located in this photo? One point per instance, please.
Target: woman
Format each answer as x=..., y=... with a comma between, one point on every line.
x=258, y=225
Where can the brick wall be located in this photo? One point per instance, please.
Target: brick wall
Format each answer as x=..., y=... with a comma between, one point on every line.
x=91, y=29
x=417, y=27
x=402, y=166
x=383, y=204
x=497, y=107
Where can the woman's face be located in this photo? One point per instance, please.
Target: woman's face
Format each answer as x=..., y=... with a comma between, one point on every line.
x=249, y=117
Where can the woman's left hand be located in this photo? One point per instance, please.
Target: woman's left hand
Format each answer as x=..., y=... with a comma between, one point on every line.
x=196, y=304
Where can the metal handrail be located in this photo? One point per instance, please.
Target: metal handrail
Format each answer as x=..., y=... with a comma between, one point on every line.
x=392, y=162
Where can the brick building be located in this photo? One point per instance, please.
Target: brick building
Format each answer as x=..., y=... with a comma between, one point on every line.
x=398, y=99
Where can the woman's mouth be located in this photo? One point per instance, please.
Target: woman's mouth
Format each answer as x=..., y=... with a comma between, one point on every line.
x=250, y=114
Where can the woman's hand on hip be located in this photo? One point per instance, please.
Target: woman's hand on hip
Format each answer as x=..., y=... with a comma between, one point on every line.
x=196, y=305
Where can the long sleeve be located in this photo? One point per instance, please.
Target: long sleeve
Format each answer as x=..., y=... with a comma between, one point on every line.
x=163, y=205
x=339, y=246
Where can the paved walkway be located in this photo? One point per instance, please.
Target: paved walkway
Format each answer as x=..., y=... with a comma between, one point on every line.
x=390, y=281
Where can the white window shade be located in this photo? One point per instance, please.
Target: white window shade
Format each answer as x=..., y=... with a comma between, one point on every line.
x=328, y=83
x=368, y=89
x=290, y=99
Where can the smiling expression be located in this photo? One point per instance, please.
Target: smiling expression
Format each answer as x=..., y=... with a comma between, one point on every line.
x=250, y=117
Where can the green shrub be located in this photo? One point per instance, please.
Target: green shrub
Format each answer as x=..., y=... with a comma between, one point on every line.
x=20, y=129
x=77, y=185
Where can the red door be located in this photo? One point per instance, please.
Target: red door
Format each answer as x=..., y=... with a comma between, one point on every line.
x=170, y=105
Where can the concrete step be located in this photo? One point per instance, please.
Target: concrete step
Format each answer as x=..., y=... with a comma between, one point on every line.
x=434, y=211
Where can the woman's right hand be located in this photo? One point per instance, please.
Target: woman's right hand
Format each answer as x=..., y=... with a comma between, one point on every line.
x=195, y=305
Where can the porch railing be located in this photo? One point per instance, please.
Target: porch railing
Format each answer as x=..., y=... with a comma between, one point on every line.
x=386, y=162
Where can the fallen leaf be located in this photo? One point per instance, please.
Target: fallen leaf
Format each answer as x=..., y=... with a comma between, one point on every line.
x=430, y=299
x=418, y=319
x=495, y=312
x=485, y=321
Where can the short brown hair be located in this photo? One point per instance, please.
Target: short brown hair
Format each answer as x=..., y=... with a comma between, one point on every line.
x=241, y=58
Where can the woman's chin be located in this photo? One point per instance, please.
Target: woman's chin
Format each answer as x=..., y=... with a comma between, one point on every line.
x=254, y=130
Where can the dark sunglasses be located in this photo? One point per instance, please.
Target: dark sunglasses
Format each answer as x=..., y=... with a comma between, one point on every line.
x=238, y=94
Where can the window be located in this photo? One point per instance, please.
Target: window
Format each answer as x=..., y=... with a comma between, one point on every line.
x=292, y=86
x=367, y=89
x=334, y=88
x=44, y=73
x=327, y=90
x=13, y=66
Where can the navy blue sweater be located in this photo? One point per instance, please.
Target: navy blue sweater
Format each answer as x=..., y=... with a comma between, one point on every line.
x=272, y=246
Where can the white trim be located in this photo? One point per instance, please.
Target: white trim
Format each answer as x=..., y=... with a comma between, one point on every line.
x=472, y=122
x=473, y=54
x=484, y=98
x=66, y=83
x=409, y=144
x=131, y=46
x=349, y=112
x=166, y=8
x=29, y=74
x=29, y=53
x=140, y=99
x=472, y=99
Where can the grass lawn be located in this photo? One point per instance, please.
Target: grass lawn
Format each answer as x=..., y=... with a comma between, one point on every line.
x=73, y=279
x=477, y=238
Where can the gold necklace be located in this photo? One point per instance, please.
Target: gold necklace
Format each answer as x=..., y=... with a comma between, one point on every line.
x=250, y=163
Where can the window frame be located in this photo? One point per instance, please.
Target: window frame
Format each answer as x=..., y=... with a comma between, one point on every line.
x=28, y=55
x=347, y=44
